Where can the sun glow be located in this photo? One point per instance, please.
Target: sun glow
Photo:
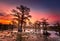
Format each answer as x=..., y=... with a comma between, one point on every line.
x=5, y=21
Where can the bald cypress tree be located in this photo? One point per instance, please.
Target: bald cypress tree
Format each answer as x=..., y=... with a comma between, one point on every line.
x=57, y=27
x=45, y=25
x=37, y=25
x=21, y=15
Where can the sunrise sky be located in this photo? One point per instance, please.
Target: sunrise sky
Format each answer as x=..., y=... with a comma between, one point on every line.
x=39, y=9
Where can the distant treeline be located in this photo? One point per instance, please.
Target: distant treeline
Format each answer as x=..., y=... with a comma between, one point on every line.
x=6, y=26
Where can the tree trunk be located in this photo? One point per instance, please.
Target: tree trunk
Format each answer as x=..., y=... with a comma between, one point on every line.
x=19, y=36
x=59, y=33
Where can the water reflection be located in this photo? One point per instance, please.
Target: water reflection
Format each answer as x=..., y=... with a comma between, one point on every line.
x=11, y=36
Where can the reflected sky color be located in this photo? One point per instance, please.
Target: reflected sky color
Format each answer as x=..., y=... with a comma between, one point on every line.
x=39, y=9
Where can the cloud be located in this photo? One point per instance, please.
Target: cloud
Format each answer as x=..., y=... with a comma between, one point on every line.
x=5, y=10
x=4, y=7
x=1, y=14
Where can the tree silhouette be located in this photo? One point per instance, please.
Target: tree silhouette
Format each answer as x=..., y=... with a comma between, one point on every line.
x=45, y=25
x=21, y=15
x=57, y=27
x=37, y=25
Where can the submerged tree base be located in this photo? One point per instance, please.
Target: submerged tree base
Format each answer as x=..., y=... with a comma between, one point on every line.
x=19, y=36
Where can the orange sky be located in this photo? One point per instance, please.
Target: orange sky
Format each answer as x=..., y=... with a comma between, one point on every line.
x=5, y=21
